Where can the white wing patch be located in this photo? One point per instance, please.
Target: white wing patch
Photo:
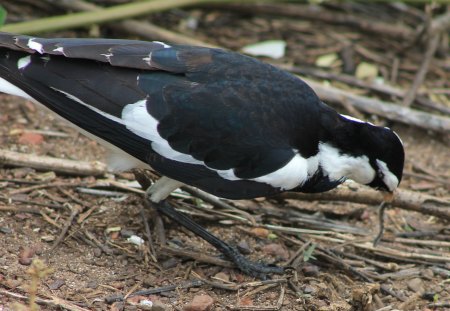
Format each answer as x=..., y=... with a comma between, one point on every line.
x=101, y=112
x=137, y=119
x=23, y=62
x=35, y=45
x=9, y=88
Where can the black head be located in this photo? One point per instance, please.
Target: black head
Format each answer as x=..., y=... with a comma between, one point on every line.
x=386, y=156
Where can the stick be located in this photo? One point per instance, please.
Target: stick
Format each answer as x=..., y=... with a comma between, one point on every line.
x=318, y=13
x=54, y=301
x=45, y=163
x=117, y=12
x=351, y=80
x=381, y=108
x=432, y=46
x=404, y=199
x=142, y=29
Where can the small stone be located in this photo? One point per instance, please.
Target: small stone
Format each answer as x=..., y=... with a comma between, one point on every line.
x=260, y=232
x=170, y=263
x=97, y=252
x=428, y=273
x=200, y=303
x=244, y=248
x=26, y=256
x=310, y=270
x=222, y=276
x=5, y=230
x=31, y=138
x=416, y=285
x=159, y=306
x=56, y=284
x=246, y=301
x=309, y=290
x=276, y=250
x=125, y=233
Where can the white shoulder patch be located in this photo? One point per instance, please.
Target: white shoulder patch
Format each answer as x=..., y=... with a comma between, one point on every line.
x=293, y=174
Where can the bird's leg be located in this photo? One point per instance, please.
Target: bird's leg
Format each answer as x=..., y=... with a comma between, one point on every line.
x=157, y=193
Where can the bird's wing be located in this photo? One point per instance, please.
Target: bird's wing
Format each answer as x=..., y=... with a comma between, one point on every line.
x=214, y=119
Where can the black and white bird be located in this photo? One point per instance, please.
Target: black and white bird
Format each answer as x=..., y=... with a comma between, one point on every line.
x=223, y=122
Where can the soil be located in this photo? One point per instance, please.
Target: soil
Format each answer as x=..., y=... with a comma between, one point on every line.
x=95, y=260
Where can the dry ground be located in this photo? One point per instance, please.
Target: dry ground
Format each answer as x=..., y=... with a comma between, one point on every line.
x=95, y=261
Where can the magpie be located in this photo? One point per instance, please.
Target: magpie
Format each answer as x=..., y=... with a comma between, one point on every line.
x=226, y=123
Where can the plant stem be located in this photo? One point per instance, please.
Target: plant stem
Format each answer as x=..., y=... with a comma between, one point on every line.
x=117, y=12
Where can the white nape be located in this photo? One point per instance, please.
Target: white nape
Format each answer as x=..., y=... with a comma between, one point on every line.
x=337, y=165
x=389, y=179
x=9, y=88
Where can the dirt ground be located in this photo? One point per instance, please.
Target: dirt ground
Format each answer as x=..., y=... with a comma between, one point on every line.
x=95, y=261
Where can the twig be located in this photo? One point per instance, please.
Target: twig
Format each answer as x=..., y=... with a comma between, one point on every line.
x=381, y=108
x=53, y=302
x=157, y=290
x=200, y=257
x=44, y=163
x=217, y=202
x=142, y=29
x=43, y=186
x=148, y=233
x=421, y=73
x=376, y=87
x=404, y=199
x=75, y=211
x=110, y=14
x=318, y=13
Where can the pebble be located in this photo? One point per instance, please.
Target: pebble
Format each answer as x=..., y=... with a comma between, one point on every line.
x=56, y=284
x=26, y=256
x=200, y=303
x=309, y=290
x=310, y=270
x=260, y=232
x=276, y=250
x=244, y=248
x=222, y=276
x=416, y=285
x=428, y=273
x=159, y=306
x=31, y=138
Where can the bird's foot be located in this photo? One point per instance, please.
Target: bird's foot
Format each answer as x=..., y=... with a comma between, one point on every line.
x=251, y=268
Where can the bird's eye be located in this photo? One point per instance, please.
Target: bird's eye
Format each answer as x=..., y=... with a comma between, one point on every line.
x=380, y=175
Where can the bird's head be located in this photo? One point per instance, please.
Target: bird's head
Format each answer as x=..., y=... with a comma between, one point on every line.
x=386, y=156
